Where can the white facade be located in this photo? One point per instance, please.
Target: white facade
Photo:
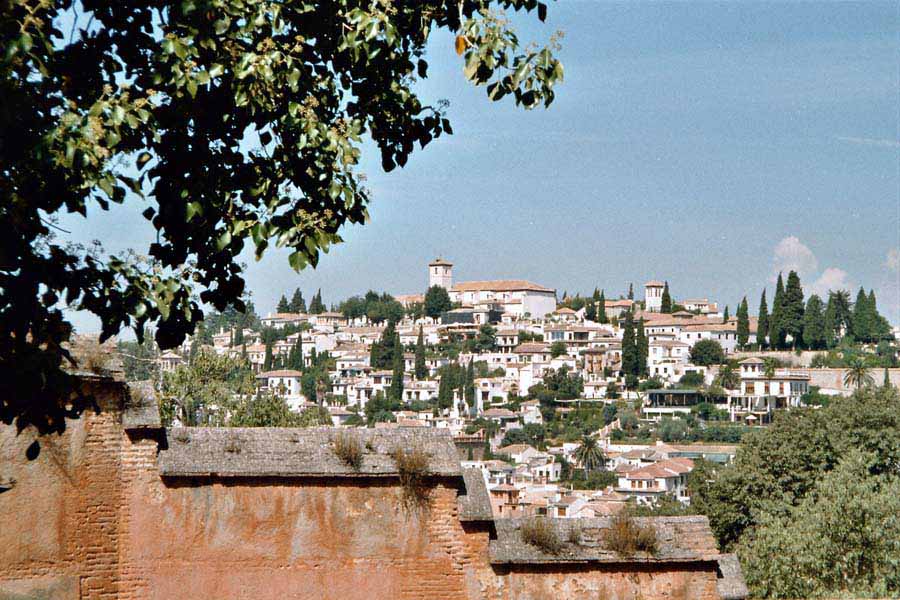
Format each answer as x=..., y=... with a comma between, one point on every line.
x=653, y=292
x=440, y=273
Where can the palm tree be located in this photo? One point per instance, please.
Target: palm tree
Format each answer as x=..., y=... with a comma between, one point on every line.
x=857, y=374
x=769, y=368
x=590, y=455
x=728, y=378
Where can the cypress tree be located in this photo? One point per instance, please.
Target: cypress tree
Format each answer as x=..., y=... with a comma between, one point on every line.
x=421, y=369
x=631, y=291
x=469, y=392
x=590, y=311
x=396, y=390
x=814, y=324
x=238, y=336
x=725, y=315
x=643, y=349
x=666, y=300
x=267, y=361
x=776, y=328
x=445, y=390
x=630, y=364
x=298, y=304
x=316, y=306
x=861, y=321
x=601, y=309
x=830, y=323
x=283, y=305
x=762, y=321
x=298, y=353
x=743, y=323
x=792, y=309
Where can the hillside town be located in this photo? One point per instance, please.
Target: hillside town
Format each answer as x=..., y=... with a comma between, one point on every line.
x=570, y=407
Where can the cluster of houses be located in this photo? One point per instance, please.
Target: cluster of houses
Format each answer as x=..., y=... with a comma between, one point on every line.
x=525, y=481
x=520, y=313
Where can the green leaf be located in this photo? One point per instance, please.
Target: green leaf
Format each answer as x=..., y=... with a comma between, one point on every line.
x=216, y=69
x=192, y=209
x=297, y=260
x=192, y=88
x=223, y=241
x=25, y=41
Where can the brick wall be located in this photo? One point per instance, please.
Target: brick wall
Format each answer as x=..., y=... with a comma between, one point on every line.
x=92, y=518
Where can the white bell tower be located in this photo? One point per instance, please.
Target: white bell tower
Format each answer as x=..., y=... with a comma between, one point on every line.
x=440, y=272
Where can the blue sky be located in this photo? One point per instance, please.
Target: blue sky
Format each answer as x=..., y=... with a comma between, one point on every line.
x=706, y=144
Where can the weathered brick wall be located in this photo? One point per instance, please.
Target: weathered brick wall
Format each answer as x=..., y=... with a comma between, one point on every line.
x=92, y=518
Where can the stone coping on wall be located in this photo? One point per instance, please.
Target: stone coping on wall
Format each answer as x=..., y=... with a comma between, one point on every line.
x=679, y=539
x=475, y=504
x=299, y=452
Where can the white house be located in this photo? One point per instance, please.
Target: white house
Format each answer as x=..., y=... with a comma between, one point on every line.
x=648, y=483
x=515, y=296
x=653, y=292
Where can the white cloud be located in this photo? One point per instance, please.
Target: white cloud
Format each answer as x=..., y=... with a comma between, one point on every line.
x=892, y=262
x=793, y=255
x=831, y=278
x=883, y=143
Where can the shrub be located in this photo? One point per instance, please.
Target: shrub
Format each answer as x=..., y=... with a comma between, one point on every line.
x=348, y=448
x=233, y=444
x=540, y=533
x=625, y=536
x=412, y=468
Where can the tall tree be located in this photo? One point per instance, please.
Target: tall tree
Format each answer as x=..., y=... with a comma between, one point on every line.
x=777, y=333
x=743, y=323
x=666, y=300
x=445, y=389
x=381, y=354
x=643, y=349
x=437, y=301
x=601, y=309
x=861, y=322
x=590, y=311
x=238, y=338
x=421, y=370
x=267, y=361
x=153, y=99
x=283, y=305
x=395, y=392
x=881, y=329
x=762, y=321
x=297, y=362
x=297, y=304
x=840, y=306
x=814, y=336
x=631, y=291
x=316, y=306
x=469, y=390
x=630, y=359
x=792, y=309
x=725, y=315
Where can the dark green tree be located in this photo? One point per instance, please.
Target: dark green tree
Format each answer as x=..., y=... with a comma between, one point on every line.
x=630, y=354
x=469, y=390
x=590, y=312
x=486, y=340
x=381, y=354
x=264, y=410
x=395, y=392
x=283, y=305
x=238, y=339
x=643, y=349
x=437, y=301
x=316, y=306
x=601, y=309
x=421, y=370
x=743, y=323
x=762, y=321
x=707, y=352
x=777, y=333
x=267, y=360
x=666, y=300
x=297, y=303
x=631, y=291
x=792, y=309
x=725, y=315
x=814, y=324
